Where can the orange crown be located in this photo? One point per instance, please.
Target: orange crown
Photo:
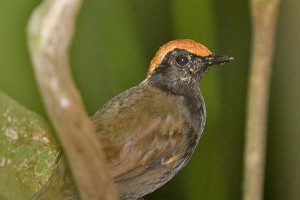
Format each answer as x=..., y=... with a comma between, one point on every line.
x=186, y=44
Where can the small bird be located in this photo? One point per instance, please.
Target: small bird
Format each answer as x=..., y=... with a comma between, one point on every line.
x=150, y=131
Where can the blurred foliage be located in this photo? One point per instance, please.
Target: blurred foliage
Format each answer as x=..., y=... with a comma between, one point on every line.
x=27, y=151
x=113, y=45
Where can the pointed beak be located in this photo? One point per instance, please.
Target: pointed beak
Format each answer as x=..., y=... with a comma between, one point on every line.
x=217, y=59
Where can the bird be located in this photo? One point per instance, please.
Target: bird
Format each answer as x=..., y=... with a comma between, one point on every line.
x=150, y=131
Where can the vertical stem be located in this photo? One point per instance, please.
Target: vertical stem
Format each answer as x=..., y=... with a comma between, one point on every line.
x=264, y=17
x=50, y=33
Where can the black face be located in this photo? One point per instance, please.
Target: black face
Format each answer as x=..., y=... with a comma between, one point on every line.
x=180, y=71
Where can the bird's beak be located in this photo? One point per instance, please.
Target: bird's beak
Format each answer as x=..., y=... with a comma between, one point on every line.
x=217, y=59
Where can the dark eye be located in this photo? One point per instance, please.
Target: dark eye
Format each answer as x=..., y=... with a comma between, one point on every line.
x=182, y=60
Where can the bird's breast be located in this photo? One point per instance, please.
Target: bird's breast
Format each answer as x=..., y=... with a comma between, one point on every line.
x=193, y=111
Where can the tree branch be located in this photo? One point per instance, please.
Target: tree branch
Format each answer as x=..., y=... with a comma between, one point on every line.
x=50, y=32
x=264, y=17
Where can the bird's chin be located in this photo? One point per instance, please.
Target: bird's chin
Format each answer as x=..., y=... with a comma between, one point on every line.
x=199, y=73
x=203, y=70
x=189, y=80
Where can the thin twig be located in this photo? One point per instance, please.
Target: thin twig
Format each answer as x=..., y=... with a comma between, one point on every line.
x=264, y=17
x=50, y=32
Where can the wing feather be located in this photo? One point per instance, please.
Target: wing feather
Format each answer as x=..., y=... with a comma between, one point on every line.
x=138, y=133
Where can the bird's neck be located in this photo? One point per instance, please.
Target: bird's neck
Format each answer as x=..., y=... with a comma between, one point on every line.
x=175, y=85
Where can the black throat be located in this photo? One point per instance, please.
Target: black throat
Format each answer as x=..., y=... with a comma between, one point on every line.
x=169, y=80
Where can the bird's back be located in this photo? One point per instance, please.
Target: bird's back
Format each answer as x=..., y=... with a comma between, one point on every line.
x=147, y=135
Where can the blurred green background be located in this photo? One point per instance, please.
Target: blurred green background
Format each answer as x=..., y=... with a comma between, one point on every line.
x=113, y=45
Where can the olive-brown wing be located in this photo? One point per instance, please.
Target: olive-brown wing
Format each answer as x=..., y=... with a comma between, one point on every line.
x=139, y=129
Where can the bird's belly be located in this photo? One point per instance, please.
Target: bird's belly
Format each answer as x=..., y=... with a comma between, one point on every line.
x=154, y=176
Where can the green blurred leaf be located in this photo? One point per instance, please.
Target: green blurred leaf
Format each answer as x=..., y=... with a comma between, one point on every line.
x=27, y=151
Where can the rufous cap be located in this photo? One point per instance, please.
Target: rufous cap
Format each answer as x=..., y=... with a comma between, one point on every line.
x=186, y=44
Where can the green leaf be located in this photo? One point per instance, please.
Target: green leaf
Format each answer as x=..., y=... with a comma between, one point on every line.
x=28, y=151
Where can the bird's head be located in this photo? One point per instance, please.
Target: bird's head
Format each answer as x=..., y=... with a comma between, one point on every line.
x=180, y=64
